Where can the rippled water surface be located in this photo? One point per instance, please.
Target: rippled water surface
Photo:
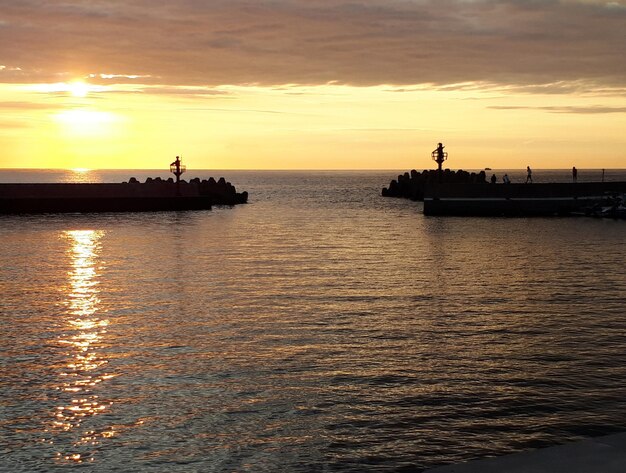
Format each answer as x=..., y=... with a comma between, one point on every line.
x=318, y=328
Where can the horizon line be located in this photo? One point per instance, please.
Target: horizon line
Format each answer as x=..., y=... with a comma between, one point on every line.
x=79, y=170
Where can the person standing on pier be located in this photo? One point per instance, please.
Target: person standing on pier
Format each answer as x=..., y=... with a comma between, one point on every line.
x=529, y=175
x=574, y=174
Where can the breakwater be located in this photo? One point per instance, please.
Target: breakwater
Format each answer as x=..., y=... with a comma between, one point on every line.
x=520, y=199
x=466, y=193
x=412, y=185
x=132, y=196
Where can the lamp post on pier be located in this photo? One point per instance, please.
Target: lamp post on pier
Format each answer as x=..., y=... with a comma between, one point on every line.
x=439, y=156
x=177, y=169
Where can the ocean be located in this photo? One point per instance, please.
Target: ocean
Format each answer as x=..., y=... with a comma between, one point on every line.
x=318, y=328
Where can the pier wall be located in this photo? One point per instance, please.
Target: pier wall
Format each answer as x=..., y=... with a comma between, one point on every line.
x=543, y=190
x=91, y=191
x=154, y=194
x=517, y=199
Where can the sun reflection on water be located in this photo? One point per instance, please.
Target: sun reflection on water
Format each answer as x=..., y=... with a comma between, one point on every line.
x=83, y=371
x=80, y=175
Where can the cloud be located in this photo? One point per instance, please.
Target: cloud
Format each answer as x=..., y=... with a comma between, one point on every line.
x=579, y=87
x=398, y=42
x=236, y=110
x=185, y=91
x=567, y=109
x=13, y=124
x=117, y=76
x=14, y=105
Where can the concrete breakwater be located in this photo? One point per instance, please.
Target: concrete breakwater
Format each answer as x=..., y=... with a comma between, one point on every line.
x=469, y=194
x=521, y=199
x=132, y=196
x=412, y=185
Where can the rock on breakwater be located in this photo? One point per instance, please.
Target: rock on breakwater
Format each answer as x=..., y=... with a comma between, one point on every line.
x=220, y=192
x=411, y=185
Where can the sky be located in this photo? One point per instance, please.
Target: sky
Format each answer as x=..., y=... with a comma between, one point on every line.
x=312, y=84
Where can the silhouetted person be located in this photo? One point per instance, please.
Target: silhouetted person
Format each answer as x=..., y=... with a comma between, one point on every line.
x=529, y=175
x=505, y=179
x=493, y=178
x=574, y=174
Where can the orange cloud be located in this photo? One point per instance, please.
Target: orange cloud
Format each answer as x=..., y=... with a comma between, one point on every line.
x=314, y=42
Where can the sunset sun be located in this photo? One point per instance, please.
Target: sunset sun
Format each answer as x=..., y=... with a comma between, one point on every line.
x=78, y=89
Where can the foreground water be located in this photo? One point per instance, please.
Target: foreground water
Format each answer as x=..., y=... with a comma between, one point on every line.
x=318, y=328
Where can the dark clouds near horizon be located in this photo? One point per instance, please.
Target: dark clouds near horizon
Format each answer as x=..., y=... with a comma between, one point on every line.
x=401, y=42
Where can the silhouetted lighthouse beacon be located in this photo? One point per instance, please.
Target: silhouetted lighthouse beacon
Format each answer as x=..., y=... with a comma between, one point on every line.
x=177, y=169
x=439, y=156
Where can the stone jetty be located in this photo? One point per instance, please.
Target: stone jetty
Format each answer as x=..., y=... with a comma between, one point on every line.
x=412, y=185
x=133, y=196
x=462, y=193
x=219, y=192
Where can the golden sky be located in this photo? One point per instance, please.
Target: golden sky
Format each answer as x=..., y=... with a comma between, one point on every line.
x=294, y=84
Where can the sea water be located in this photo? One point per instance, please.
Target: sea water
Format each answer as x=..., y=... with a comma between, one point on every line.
x=318, y=328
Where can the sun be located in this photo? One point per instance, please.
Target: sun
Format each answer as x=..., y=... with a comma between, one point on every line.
x=78, y=88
